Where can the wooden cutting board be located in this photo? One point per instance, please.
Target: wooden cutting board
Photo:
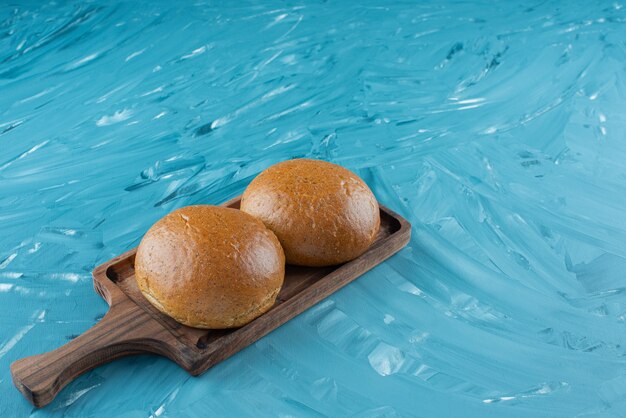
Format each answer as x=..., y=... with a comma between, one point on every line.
x=133, y=326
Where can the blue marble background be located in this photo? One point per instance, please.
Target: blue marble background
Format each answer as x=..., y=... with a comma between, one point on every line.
x=496, y=127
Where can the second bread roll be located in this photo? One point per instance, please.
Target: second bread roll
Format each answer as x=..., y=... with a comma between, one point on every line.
x=322, y=213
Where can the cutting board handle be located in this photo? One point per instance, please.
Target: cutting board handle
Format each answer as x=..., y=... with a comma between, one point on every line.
x=121, y=332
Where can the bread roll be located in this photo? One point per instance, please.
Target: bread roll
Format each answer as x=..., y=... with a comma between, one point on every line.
x=322, y=213
x=210, y=266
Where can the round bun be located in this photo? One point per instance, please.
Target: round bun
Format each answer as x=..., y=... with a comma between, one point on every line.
x=210, y=267
x=322, y=213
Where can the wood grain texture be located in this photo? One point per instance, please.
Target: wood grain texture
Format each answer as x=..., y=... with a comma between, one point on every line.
x=132, y=325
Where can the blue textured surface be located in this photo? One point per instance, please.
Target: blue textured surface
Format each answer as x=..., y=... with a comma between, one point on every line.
x=496, y=128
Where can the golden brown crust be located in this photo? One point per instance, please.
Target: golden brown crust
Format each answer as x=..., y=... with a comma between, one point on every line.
x=322, y=213
x=210, y=266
